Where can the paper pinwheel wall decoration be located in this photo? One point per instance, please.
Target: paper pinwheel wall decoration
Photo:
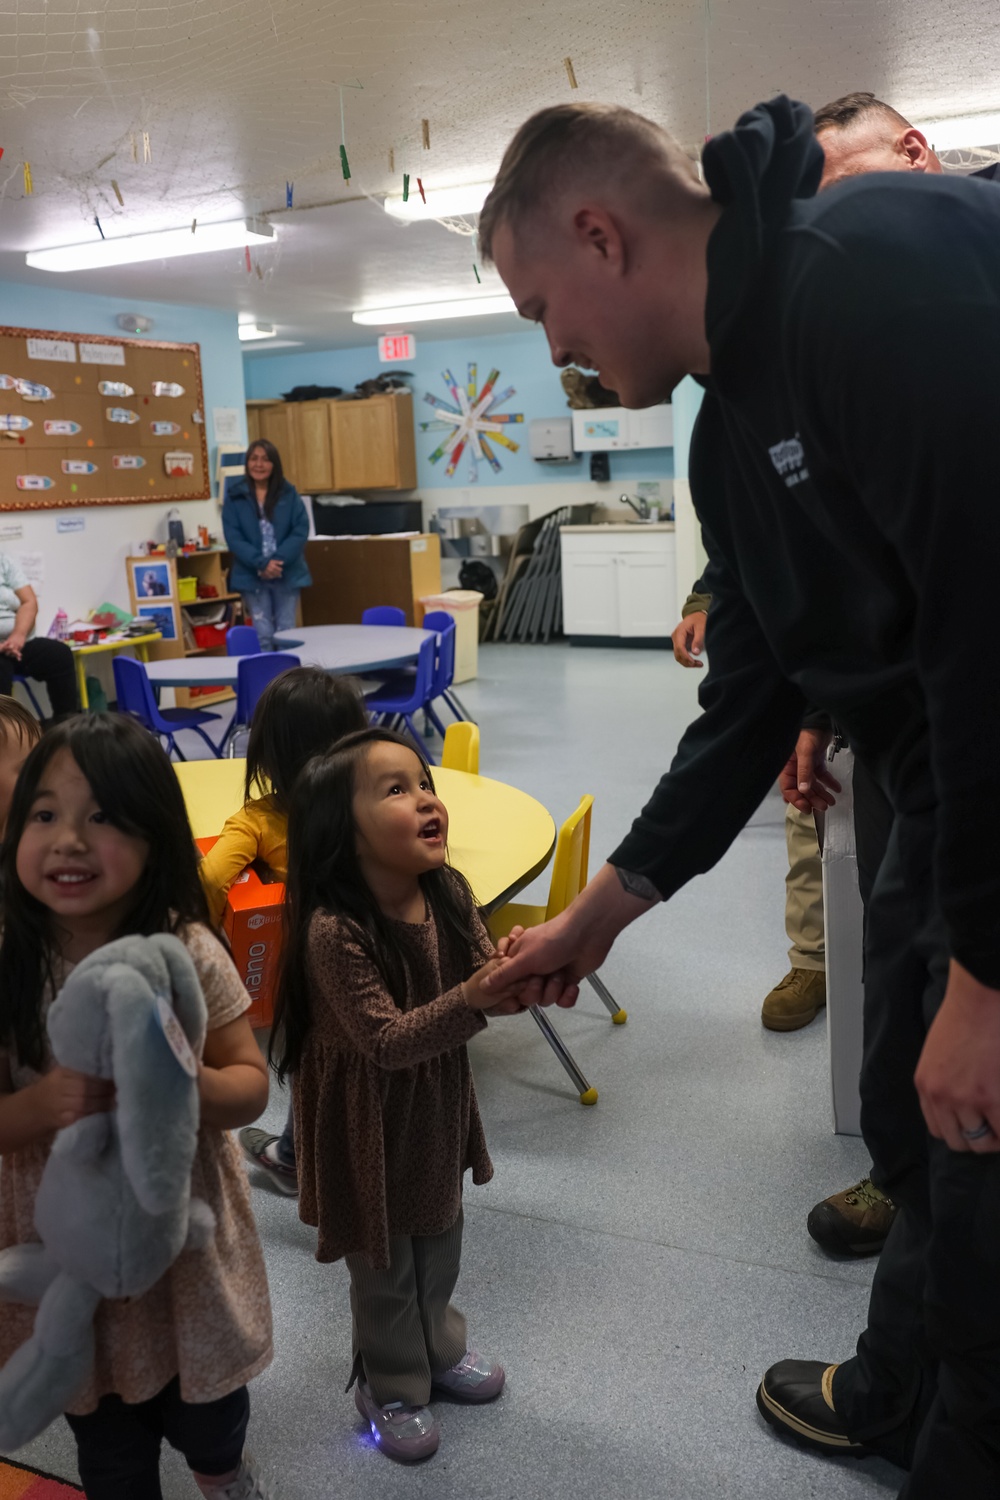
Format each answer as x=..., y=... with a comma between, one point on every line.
x=473, y=424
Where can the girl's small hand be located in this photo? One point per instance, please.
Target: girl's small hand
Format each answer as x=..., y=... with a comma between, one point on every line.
x=475, y=997
x=64, y=1096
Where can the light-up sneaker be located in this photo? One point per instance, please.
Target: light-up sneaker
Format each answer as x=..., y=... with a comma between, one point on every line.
x=472, y=1379
x=406, y=1433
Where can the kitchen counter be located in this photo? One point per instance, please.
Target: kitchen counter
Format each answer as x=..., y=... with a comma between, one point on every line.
x=610, y=527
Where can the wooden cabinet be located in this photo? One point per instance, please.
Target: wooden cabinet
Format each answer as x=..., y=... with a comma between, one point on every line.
x=309, y=462
x=350, y=575
x=330, y=447
x=619, y=581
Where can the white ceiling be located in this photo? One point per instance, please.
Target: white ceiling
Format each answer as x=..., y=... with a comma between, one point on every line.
x=239, y=96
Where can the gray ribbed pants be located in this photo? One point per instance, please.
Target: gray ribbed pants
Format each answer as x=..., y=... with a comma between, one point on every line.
x=404, y=1326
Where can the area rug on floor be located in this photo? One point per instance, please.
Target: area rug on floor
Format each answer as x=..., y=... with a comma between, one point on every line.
x=18, y=1482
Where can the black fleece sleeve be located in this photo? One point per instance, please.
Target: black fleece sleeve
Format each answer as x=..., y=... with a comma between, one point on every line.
x=914, y=423
x=728, y=758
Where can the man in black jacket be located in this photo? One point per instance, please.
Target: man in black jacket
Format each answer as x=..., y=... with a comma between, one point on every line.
x=840, y=521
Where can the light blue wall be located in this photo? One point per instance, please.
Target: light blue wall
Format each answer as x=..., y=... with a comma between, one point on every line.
x=523, y=361
x=57, y=308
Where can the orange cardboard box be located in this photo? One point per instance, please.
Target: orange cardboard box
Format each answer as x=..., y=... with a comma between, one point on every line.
x=253, y=924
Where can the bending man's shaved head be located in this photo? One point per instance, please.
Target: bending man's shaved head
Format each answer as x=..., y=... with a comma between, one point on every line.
x=580, y=149
x=860, y=133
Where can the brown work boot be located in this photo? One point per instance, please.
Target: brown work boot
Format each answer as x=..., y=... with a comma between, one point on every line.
x=854, y=1222
x=796, y=1001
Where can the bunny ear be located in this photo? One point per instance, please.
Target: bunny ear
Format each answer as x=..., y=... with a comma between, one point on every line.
x=184, y=989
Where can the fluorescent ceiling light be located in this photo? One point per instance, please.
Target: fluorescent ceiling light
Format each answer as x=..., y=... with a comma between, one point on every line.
x=962, y=131
x=442, y=203
x=426, y=312
x=124, y=250
x=251, y=331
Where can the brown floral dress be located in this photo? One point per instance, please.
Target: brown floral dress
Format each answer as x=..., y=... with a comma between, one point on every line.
x=386, y=1120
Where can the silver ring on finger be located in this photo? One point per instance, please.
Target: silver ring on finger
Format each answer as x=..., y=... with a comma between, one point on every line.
x=980, y=1133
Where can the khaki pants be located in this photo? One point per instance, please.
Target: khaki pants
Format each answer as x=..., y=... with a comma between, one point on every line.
x=404, y=1326
x=804, y=892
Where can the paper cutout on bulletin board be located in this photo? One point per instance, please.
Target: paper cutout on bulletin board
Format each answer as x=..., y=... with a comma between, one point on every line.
x=114, y=388
x=473, y=424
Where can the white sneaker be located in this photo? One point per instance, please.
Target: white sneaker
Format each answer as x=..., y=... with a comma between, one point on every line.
x=249, y=1484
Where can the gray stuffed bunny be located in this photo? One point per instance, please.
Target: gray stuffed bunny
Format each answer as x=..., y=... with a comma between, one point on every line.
x=114, y=1207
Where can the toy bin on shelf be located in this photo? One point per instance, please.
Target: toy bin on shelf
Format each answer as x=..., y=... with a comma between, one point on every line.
x=252, y=923
x=463, y=605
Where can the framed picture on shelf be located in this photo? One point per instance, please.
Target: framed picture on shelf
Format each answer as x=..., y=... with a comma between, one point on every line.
x=161, y=617
x=151, y=580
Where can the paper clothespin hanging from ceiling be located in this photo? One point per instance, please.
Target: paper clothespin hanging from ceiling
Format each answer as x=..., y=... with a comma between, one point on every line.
x=99, y=229
x=260, y=273
x=118, y=192
x=194, y=225
x=147, y=153
x=420, y=190
x=289, y=193
x=392, y=159
x=568, y=65
x=29, y=186
x=425, y=132
x=406, y=187
x=135, y=146
x=475, y=268
x=246, y=252
x=345, y=165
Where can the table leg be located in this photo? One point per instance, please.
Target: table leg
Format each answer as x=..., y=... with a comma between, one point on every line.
x=81, y=682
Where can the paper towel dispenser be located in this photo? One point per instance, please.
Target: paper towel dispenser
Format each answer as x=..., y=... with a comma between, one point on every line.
x=550, y=440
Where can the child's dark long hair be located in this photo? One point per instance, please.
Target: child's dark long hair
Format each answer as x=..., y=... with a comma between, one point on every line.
x=135, y=787
x=324, y=874
x=302, y=713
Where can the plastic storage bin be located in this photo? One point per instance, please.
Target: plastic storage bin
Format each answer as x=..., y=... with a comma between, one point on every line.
x=463, y=604
x=209, y=636
x=187, y=590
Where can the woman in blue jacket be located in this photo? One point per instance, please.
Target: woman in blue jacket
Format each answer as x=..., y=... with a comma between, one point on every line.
x=266, y=526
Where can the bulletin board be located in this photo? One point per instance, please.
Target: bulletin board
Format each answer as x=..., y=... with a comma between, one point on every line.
x=86, y=420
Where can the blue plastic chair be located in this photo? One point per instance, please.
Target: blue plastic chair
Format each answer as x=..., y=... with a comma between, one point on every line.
x=383, y=614
x=242, y=640
x=135, y=696
x=443, y=624
x=403, y=700
x=253, y=674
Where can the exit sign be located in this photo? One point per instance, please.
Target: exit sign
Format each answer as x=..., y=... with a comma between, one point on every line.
x=393, y=347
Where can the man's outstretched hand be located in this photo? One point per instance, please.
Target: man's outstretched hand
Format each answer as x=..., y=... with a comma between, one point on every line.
x=572, y=945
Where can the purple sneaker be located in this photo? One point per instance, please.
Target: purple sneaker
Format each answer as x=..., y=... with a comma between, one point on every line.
x=406, y=1433
x=472, y=1379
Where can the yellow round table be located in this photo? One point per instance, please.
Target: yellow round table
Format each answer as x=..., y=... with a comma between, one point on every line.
x=499, y=837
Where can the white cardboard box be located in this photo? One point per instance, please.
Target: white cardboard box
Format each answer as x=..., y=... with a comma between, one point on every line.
x=844, y=915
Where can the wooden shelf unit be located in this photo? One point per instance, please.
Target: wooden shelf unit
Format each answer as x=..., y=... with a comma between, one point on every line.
x=210, y=569
x=331, y=447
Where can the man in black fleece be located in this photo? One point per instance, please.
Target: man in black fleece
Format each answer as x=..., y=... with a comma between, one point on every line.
x=840, y=518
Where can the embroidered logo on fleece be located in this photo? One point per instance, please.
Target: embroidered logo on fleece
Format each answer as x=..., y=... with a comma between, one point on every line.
x=789, y=460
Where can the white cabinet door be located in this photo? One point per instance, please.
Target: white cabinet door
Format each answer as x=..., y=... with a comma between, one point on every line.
x=590, y=593
x=647, y=593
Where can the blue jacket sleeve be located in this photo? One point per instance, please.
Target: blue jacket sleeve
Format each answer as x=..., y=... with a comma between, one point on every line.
x=246, y=548
x=292, y=545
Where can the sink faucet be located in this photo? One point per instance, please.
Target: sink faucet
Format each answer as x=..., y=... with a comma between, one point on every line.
x=641, y=510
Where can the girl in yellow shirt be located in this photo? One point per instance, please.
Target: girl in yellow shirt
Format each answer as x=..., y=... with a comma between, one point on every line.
x=300, y=714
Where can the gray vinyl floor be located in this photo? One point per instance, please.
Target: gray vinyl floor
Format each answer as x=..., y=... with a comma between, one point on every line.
x=635, y=1266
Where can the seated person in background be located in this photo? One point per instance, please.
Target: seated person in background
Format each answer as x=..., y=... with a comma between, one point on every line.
x=27, y=655
x=302, y=713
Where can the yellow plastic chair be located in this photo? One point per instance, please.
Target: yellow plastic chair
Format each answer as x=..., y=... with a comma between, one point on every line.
x=461, y=747
x=569, y=876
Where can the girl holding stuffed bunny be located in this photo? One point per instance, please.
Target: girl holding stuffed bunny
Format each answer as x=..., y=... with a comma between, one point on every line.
x=98, y=846
x=381, y=988
x=299, y=714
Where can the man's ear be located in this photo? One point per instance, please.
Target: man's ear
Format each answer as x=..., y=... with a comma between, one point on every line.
x=597, y=230
x=919, y=155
